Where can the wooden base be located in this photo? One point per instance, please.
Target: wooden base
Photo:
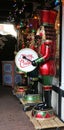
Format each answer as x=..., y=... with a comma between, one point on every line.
x=46, y=124
x=40, y=124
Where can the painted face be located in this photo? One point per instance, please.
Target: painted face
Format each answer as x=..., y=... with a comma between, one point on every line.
x=41, y=32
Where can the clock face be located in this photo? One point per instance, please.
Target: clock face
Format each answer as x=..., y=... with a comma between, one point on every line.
x=24, y=64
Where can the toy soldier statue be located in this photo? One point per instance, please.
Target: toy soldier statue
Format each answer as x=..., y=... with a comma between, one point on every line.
x=47, y=33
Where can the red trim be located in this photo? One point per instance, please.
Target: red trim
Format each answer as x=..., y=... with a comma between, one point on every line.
x=46, y=88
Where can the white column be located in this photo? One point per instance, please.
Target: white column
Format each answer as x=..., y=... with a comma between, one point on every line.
x=62, y=66
x=62, y=52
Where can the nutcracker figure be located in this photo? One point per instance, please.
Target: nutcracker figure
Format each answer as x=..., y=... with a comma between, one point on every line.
x=33, y=75
x=28, y=39
x=45, y=41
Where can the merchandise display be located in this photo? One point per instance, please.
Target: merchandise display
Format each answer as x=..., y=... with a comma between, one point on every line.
x=34, y=70
x=37, y=57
